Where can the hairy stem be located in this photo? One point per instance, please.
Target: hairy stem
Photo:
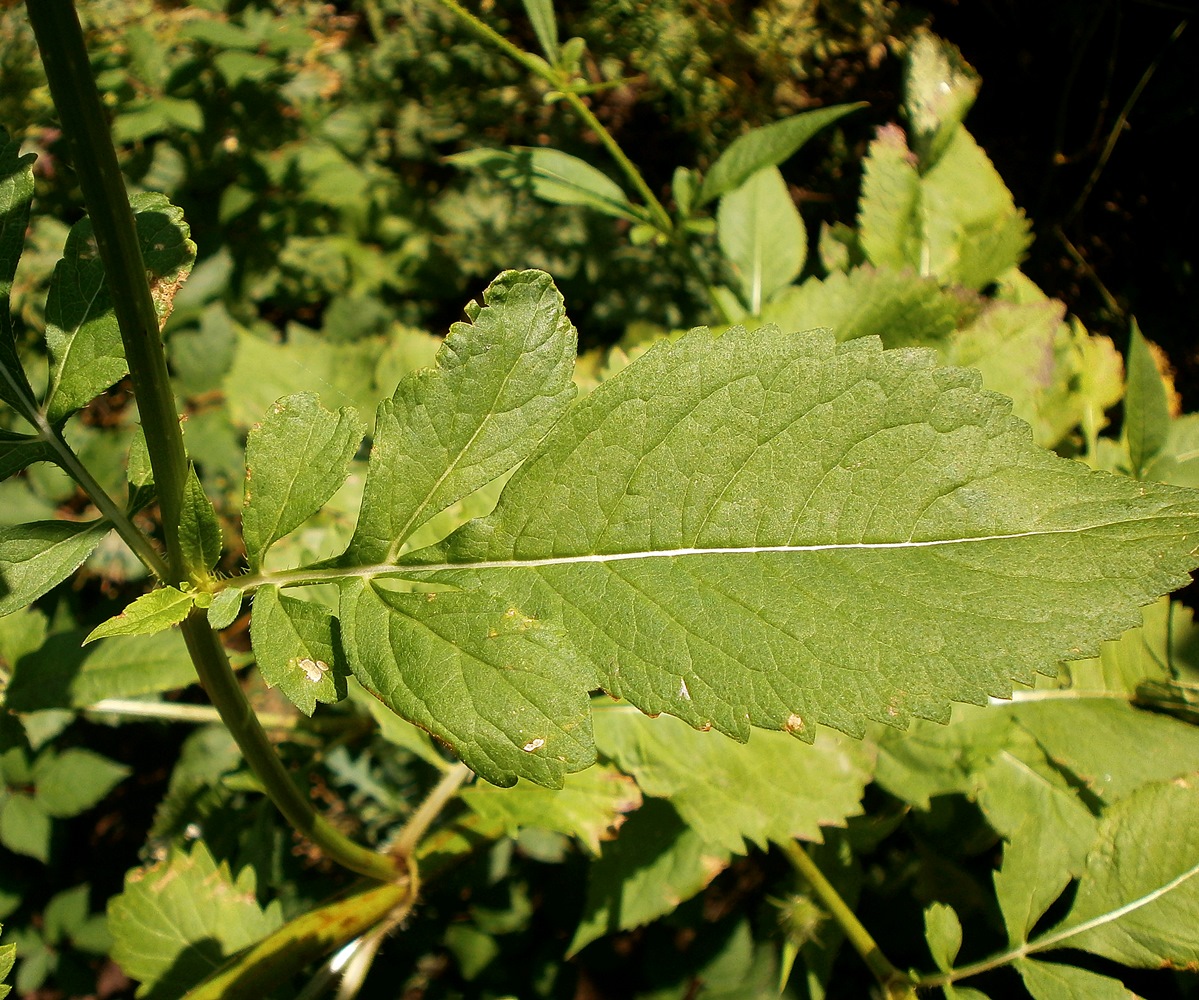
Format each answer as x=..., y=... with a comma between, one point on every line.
x=418, y=823
x=68, y=70
x=896, y=984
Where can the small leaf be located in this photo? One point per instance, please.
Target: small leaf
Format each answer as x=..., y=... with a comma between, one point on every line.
x=772, y=788
x=150, y=613
x=296, y=459
x=82, y=336
x=545, y=26
x=37, y=556
x=25, y=826
x=764, y=147
x=61, y=674
x=1146, y=406
x=180, y=920
x=939, y=89
x=762, y=236
x=16, y=193
x=20, y=450
x=656, y=863
x=554, y=176
x=1054, y=981
x=8, y=954
x=293, y=642
x=70, y=782
x=888, y=211
x=199, y=529
x=225, y=607
x=943, y=931
x=500, y=383
x=591, y=806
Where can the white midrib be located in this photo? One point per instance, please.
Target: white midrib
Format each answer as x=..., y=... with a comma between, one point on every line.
x=607, y=557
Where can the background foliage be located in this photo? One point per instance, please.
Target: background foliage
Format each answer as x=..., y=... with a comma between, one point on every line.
x=307, y=145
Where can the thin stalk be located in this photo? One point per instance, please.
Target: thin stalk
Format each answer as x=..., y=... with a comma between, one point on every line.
x=68, y=71
x=540, y=68
x=131, y=534
x=896, y=984
x=418, y=823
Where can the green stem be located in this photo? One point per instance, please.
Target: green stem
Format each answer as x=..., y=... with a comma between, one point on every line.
x=68, y=71
x=404, y=845
x=84, y=121
x=895, y=984
x=226, y=694
x=540, y=68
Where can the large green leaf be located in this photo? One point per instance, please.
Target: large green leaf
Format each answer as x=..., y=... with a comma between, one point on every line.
x=84, y=341
x=1138, y=901
x=771, y=788
x=762, y=236
x=780, y=531
x=179, y=920
x=36, y=556
x=500, y=383
x=1054, y=981
x=296, y=458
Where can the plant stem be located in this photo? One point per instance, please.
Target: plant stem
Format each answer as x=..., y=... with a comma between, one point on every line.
x=418, y=823
x=68, y=70
x=84, y=121
x=540, y=68
x=895, y=984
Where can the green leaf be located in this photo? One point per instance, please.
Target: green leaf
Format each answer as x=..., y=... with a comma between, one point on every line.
x=8, y=954
x=553, y=176
x=199, y=529
x=780, y=531
x=484, y=678
x=896, y=306
x=500, y=383
x=762, y=236
x=150, y=613
x=1104, y=743
x=179, y=920
x=84, y=341
x=1048, y=832
x=1146, y=407
x=16, y=193
x=940, y=88
x=972, y=230
x=25, y=826
x=225, y=607
x=772, y=788
x=889, y=209
x=19, y=450
x=61, y=674
x=591, y=806
x=545, y=26
x=763, y=147
x=37, y=556
x=293, y=642
x=1054, y=981
x=943, y=932
x=295, y=461
x=70, y=782
x=656, y=863
x=1138, y=900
